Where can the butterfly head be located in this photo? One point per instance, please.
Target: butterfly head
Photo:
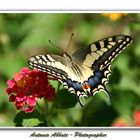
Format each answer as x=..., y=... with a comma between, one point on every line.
x=67, y=57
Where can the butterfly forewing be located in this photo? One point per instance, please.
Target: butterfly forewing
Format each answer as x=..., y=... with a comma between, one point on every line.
x=99, y=54
x=52, y=64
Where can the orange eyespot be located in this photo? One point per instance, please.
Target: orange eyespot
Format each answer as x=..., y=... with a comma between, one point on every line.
x=85, y=86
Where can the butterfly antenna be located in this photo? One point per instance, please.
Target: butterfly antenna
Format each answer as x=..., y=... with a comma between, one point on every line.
x=69, y=42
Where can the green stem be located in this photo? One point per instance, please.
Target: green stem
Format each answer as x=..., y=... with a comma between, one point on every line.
x=39, y=109
x=46, y=107
x=59, y=84
x=47, y=113
x=49, y=107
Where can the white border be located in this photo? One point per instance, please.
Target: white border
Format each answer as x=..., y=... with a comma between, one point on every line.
x=52, y=5
x=63, y=11
x=22, y=133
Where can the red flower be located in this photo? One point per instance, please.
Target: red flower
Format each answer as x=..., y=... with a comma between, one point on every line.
x=27, y=86
x=136, y=116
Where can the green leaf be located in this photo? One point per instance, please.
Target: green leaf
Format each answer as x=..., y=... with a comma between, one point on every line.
x=98, y=113
x=65, y=99
x=56, y=84
x=115, y=77
x=29, y=119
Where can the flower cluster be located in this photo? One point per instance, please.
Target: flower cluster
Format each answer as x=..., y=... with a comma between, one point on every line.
x=27, y=86
x=123, y=123
x=114, y=16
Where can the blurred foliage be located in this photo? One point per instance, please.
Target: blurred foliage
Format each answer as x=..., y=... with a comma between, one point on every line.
x=24, y=35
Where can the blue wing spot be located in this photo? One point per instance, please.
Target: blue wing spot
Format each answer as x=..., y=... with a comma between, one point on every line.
x=95, y=80
x=76, y=85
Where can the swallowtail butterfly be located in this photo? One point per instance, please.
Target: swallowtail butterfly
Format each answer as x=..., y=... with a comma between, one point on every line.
x=86, y=71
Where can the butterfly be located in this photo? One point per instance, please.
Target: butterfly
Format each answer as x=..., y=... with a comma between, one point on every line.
x=86, y=71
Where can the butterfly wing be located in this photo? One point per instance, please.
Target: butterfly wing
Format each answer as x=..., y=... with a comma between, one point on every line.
x=99, y=54
x=54, y=65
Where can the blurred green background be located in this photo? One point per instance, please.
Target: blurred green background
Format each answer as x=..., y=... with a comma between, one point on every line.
x=24, y=35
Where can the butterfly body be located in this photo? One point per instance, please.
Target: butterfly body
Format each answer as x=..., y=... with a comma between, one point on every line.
x=87, y=71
